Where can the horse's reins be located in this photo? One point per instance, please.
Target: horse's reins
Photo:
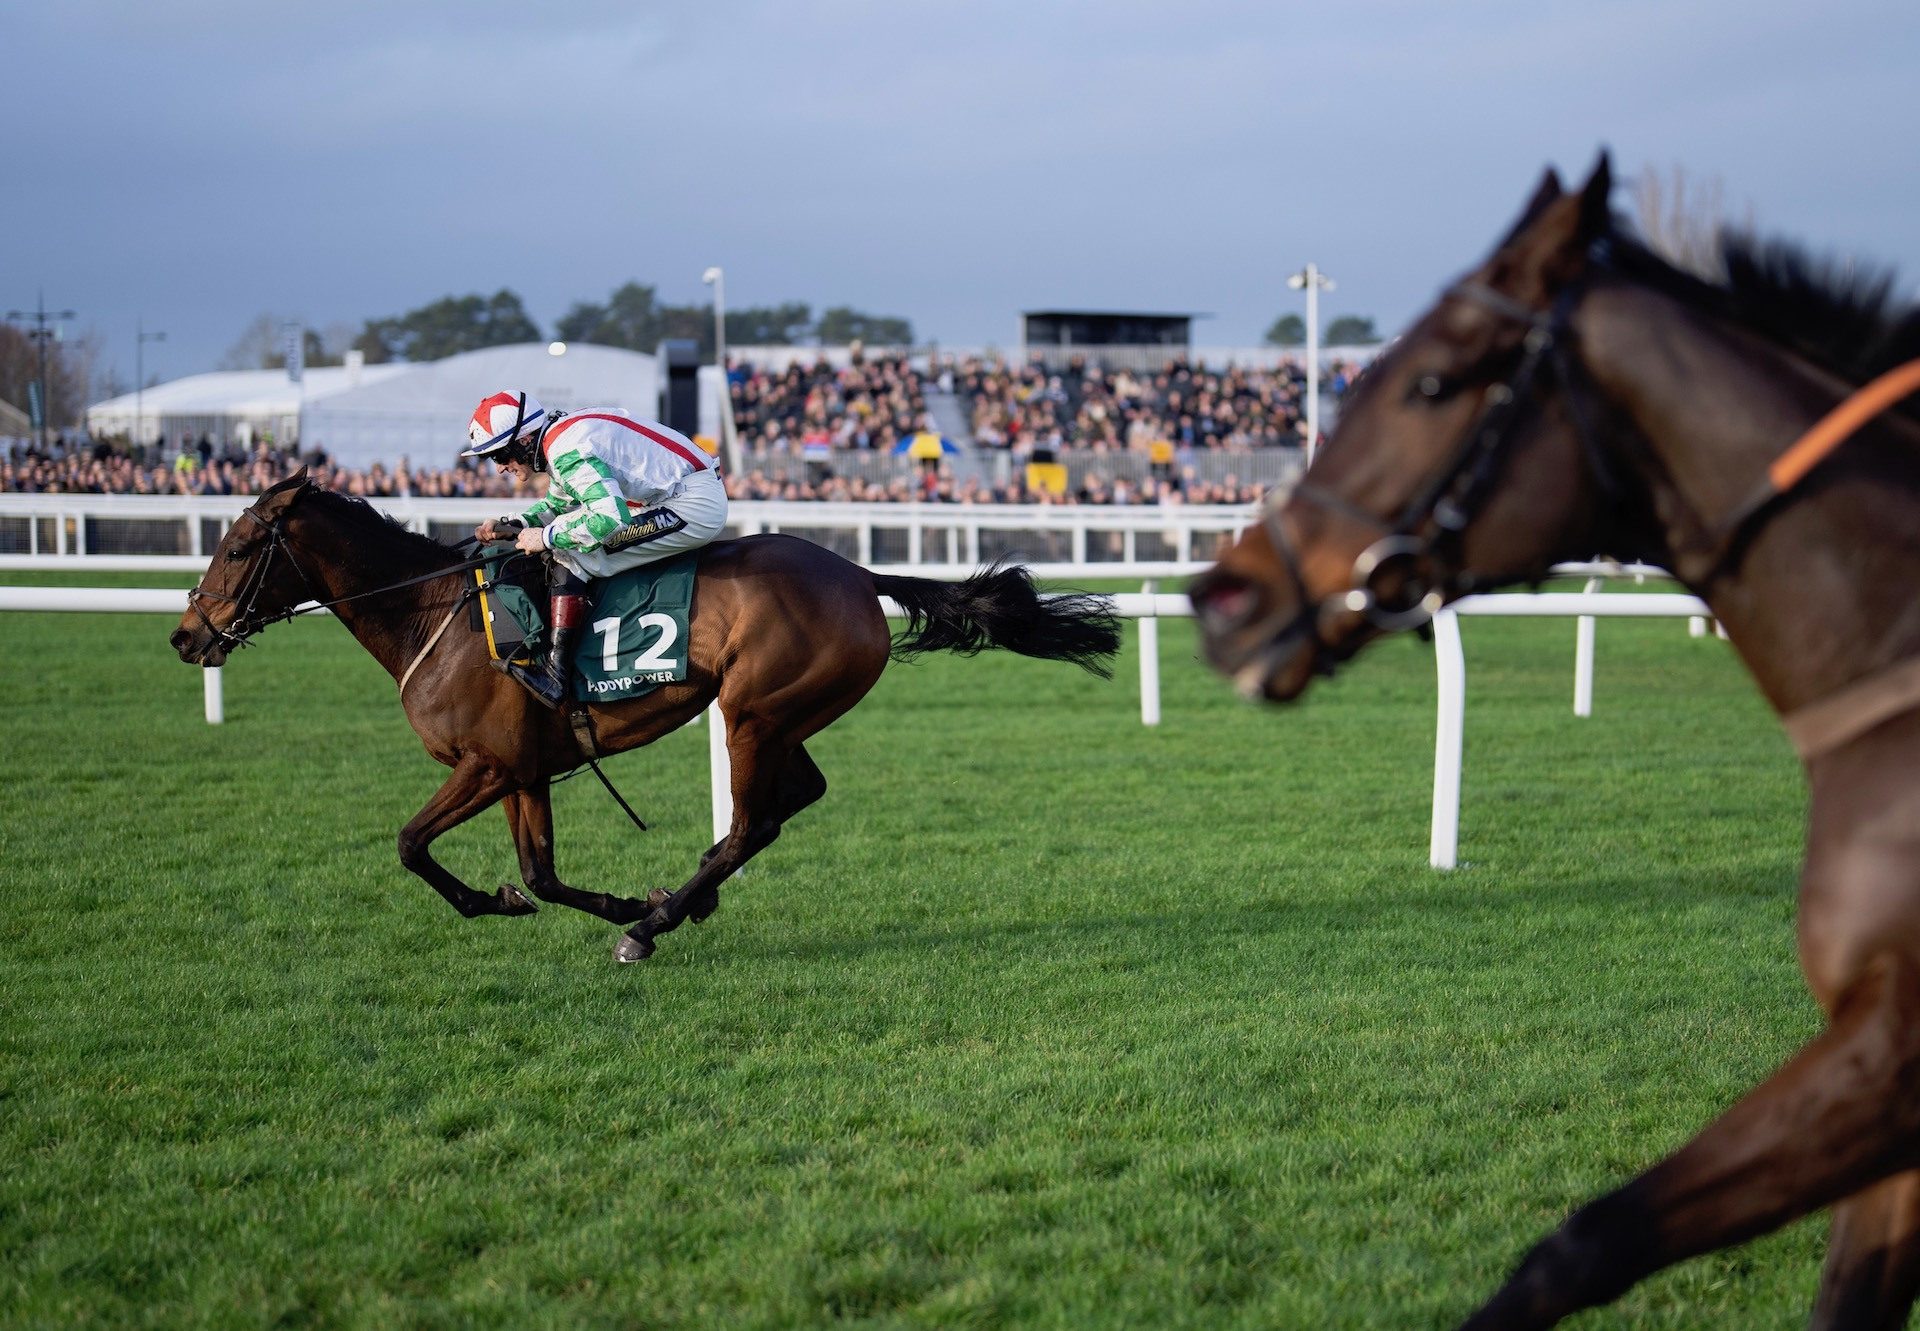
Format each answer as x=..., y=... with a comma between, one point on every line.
x=1439, y=513
x=249, y=622
x=1448, y=503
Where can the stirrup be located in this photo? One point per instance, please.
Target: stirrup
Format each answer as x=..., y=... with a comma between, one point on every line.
x=540, y=684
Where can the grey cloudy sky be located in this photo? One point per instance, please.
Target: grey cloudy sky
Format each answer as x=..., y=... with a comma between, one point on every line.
x=199, y=162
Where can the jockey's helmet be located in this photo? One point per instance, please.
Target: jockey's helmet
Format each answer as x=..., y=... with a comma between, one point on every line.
x=506, y=427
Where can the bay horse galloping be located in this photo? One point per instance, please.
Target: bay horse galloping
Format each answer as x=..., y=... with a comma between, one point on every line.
x=1576, y=393
x=785, y=634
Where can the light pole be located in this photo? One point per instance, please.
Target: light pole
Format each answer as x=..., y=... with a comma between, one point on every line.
x=43, y=331
x=716, y=278
x=140, y=339
x=1313, y=281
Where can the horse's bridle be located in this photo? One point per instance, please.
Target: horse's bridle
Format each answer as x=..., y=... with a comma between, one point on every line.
x=247, y=619
x=1428, y=528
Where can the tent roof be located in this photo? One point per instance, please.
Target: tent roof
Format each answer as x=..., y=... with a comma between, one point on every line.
x=242, y=392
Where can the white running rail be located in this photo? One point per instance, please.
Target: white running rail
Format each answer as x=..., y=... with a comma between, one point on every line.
x=1148, y=607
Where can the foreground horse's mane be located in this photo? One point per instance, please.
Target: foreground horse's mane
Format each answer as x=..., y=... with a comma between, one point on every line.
x=1840, y=315
x=369, y=521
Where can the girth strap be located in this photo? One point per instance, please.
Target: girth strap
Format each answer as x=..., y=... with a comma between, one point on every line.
x=1823, y=726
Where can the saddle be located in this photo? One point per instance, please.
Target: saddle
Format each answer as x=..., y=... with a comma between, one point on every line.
x=636, y=631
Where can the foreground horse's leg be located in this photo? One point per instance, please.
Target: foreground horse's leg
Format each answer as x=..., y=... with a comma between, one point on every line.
x=801, y=783
x=1837, y=1118
x=1873, y=1258
x=757, y=763
x=476, y=782
x=530, y=817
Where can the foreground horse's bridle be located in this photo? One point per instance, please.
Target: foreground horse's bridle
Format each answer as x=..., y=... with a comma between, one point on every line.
x=247, y=619
x=1429, y=527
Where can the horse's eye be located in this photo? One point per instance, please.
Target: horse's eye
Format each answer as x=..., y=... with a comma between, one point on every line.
x=1432, y=388
x=235, y=556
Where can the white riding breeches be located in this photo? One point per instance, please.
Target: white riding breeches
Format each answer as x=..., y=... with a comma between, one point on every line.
x=700, y=502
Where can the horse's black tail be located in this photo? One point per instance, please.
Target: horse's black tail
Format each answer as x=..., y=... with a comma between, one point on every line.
x=998, y=607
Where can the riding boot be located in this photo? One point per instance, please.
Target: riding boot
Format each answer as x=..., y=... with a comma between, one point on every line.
x=548, y=681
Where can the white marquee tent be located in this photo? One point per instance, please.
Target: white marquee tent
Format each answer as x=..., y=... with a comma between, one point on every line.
x=360, y=415
x=422, y=414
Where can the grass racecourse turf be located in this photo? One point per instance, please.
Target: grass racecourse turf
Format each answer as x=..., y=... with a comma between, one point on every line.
x=1039, y=1019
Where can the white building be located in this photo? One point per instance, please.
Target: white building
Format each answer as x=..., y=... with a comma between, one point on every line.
x=362, y=414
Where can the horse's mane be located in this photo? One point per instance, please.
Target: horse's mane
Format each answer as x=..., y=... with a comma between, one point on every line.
x=1841, y=315
x=382, y=539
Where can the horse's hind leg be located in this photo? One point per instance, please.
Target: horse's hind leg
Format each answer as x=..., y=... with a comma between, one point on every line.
x=530, y=818
x=757, y=759
x=476, y=782
x=1873, y=1258
x=801, y=783
x=1839, y=1117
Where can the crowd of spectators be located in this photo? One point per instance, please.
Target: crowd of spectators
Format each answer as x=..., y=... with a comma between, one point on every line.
x=101, y=469
x=90, y=467
x=1190, y=407
x=813, y=409
x=817, y=412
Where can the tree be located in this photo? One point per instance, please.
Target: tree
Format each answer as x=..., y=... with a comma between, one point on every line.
x=258, y=346
x=841, y=324
x=770, y=325
x=1289, y=330
x=631, y=318
x=447, y=327
x=70, y=370
x=1351, y=330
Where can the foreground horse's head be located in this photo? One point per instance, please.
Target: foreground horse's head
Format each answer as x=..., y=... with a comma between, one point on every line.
x=1400, y=512
x=252, y=578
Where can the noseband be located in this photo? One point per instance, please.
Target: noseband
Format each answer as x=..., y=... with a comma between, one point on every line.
x=1427, y=531
x=247, y=619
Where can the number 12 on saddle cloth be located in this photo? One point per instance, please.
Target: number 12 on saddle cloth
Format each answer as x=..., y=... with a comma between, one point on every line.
x=636, y=626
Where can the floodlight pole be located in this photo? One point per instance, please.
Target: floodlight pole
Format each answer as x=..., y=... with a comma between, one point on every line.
x=43, y=331
x=140, y=339
x=716, y=278
x=1313, y=281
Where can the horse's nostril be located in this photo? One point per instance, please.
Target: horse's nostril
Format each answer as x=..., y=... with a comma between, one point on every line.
x=1223, y=597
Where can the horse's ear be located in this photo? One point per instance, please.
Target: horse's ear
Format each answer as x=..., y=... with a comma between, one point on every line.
x=1549, y=249
x=281, y=494
x=1543, y=194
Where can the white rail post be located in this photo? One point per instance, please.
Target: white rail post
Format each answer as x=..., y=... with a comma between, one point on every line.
x=720, y=770
x=1451, y=664
x=1583, y=659
x=1149, y=661
x=215, y=698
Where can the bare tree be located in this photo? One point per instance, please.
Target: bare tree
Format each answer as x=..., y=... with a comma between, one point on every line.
x=1683, y=220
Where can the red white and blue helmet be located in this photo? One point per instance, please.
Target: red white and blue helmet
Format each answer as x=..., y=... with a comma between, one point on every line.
x=505, y=421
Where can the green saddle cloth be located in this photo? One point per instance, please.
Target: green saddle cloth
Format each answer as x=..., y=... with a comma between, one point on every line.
x=635, y=637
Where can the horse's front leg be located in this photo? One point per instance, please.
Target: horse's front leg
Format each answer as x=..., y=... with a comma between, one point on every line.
x=530, y=817
x=1839, y=1117
x=1873, y=1258
x=476, y=782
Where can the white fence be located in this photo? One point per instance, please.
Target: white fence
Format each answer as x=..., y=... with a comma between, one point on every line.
x=1147, y=607
x=89, y=526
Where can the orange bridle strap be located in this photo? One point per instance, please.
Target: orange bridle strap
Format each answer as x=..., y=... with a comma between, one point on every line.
x=1834, y=428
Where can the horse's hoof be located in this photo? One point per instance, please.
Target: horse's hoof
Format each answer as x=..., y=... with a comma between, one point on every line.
x=630, y=949
x=515, y=902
